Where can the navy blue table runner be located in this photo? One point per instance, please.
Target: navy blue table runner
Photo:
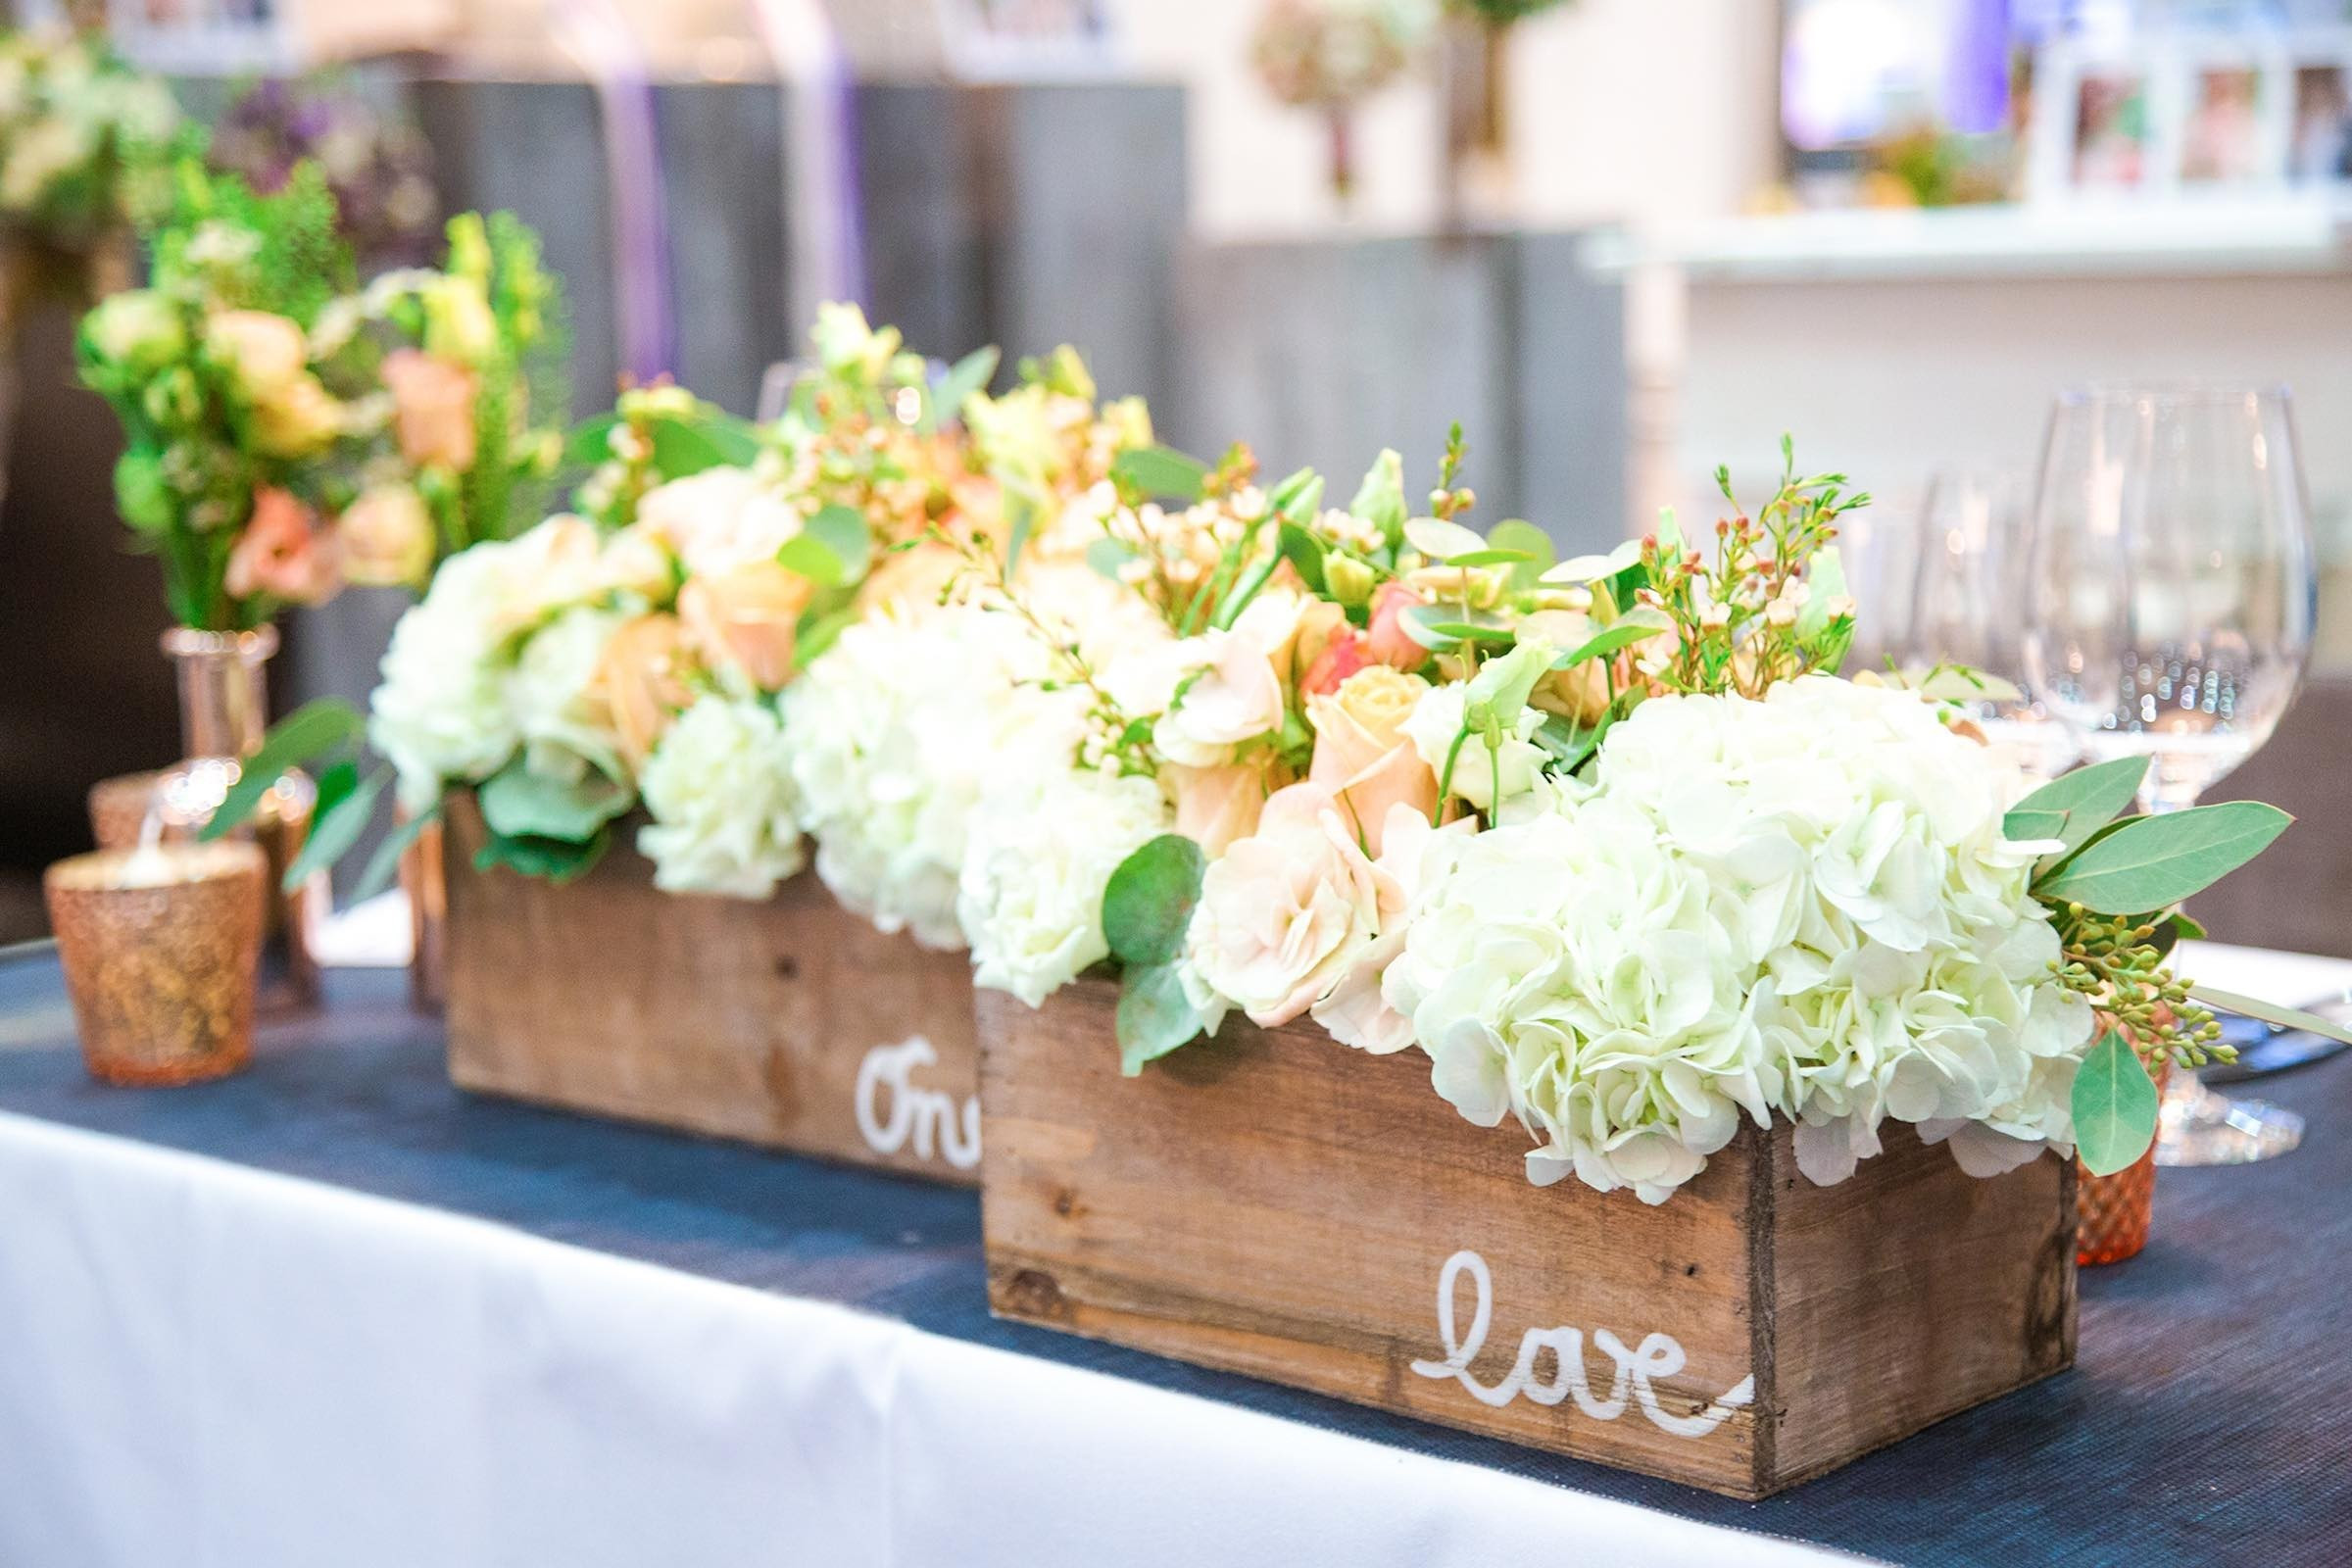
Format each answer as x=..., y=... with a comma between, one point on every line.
x=2209, y=1418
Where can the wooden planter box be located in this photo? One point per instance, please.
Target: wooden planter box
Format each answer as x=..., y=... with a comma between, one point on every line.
x=1276, y=1203
x=791, y=1023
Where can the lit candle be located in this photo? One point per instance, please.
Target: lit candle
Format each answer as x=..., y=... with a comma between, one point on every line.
x=160, y=945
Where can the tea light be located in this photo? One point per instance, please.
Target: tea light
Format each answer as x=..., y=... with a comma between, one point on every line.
x=160, y=943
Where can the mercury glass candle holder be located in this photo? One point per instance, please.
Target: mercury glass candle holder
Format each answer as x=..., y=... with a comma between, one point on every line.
x=161, y=947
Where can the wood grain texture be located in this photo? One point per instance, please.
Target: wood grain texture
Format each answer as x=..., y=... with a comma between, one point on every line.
x=750, y=1021
x=1274, y=1204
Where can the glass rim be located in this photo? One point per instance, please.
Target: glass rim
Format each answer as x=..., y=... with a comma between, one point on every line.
x=2175, y=392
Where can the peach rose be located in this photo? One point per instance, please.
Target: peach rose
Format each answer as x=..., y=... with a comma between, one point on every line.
x=432, y=409
x=1288, y=912
x=1363, y=755
x=1391, y=642
x=281, y=554
x=745, y=619
x=642, y=679
x=1354, y=1012
x=386, y=537
x=1216, y=805
x=263, y=353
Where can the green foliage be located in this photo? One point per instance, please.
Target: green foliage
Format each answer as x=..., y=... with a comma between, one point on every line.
x=1154, y=1016
x=384, y=864
x=2085, y=801
x=554, y=859
x=2153, y=863
x=303, y=736
x=1148, y=902
x=520, y=803
x=967, y=375
x=1380, y=498
x=1160, y=473
x=346, y=804
x=2114, y=1107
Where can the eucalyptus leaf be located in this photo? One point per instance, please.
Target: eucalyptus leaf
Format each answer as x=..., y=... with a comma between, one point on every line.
x=554, y=859
x=808, y=557
x=1154, y=1016
x=1427, y=625
x=337, y=828
x=518, y=802
x=1306, y=557
x=1161, y=472
x=1445, y=541
x=1529, y=542
x=1570, y=743
x=1636, y=626
x=2270, y=1012
x=310, y=731
x=2115, y=1107
x=2153, y=863
x=1578, y=570
x=1109, y=556
x=1147, y=902
x=591, y=441
x=682, y=448
x=2090, y=797
x=384, y=863
x=1380, y=498
x=844, y=531
x=967, y=375
x=2022, y=826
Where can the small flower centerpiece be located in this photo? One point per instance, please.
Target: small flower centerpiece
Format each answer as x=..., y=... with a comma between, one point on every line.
x=1788, y=971
x=85, y=150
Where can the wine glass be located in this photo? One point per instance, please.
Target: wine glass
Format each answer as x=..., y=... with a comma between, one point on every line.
x=1968, y=578
x=2169, y=616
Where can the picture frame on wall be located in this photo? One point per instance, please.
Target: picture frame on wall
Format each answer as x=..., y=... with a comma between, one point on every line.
x=2192, y=117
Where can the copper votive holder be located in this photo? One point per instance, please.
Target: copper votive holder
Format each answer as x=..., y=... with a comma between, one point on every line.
x=161, y=948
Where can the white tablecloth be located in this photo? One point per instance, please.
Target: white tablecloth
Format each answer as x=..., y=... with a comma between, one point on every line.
x=204, y=1365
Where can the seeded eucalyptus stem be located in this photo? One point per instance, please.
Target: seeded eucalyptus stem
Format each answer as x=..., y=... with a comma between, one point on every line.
x=2112, y=963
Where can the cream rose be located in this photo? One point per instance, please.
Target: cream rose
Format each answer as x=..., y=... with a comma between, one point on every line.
x=1363, y=754
x=388, y=538
x=1288, y=912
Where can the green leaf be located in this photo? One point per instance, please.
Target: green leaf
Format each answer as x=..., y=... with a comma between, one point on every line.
x=1502, y=685
x=553, y=859
x=683, y=448
x=1525, y=539
x=1298, y=498
x=2022, y=826
x=310, y=731
x=591, y=441
x=2270, y=1013
x=1380, y=498
x=2089, y=797
x=1149, y=901
x=1425, y=625
x=1825, y=580
x=1230, y=607
x=337, y=827
x=832, y=548
x=1637, y=626
x=736, y=440
x=1448, y=543
x=1492, y=558
x=518, y=804
x=384, y=863
x=1306, y=557
x=1154, y=1016
x=1161, y=472
x=1568, y=742
x=968, y=375
x=821, y=629
x=2115, y=1107
x=1023, y=513
x=1107, y=556
x=2153, y=863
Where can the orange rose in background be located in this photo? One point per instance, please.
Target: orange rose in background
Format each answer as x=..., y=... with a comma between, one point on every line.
x=745, y=619
x=1347, y=653
x=432, y=409
x=1216, y=805
x=1362, y=755
x=642, y=678
x=282, y=554
x=386, y=537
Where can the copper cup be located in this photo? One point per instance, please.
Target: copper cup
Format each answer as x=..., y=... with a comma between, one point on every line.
x=161, y=948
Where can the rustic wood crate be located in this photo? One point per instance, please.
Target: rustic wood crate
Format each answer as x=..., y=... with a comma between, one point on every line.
x=791, y=1023
x=1276, y=1203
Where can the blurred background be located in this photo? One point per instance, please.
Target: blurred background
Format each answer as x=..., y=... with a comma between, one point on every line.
x=1623, y=241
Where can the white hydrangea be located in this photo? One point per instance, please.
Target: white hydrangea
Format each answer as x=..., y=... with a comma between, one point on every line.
x=895, y=730
x=560, y=713
x=1037, y=860
x=454, y=702
x=720, y=519
x=720, y=791
x=1802, y=905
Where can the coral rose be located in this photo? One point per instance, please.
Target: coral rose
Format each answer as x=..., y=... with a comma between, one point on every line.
x=432, y=406
x=281, y=554
x=1389, y=641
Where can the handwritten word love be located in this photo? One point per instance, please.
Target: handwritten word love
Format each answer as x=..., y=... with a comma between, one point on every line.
x=1658, y=1356
x=926, y=1118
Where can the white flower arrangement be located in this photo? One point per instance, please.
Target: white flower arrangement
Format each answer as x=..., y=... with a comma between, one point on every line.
x=719, y=788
